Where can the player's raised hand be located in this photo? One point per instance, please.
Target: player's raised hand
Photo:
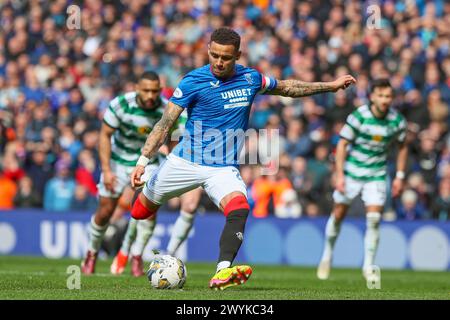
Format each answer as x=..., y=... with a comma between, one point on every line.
x=138, y=171
x=343, y=82
x=397, y=187
x=109, y=179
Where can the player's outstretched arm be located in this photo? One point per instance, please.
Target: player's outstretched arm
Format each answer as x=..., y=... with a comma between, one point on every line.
x=297, y=88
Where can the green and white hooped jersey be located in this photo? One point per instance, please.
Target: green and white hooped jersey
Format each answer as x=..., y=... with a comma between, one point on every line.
x=133, y=125
x=370, y=139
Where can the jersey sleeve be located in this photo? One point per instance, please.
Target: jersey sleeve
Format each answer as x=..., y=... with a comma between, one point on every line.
x=350, y=128
x=185, y=94
x=266, y=84
x=111, y=116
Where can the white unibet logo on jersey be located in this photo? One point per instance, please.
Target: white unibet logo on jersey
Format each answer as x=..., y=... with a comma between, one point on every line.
x=237, y=98
x=178, y=93
x=246, y=92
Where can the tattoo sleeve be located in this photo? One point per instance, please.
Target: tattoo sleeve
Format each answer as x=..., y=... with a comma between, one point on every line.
x=161, y=130
x=296, y=88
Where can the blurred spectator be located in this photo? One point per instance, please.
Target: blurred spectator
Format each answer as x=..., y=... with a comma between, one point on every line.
x=288, y=205
x=441, y=207
x=300, y=177
x=261, y=193
x=312, y=210
x=423, y=191
x=27, y=196
x=285, y=203
x=340, y=110
x=39, y=169
x=297, y=142
x=409, y=207
x=319, y=172
x=59, y=191
x=11, y=167
x=8, y=190
x=427, y=158
x=82, y=200
x=86, y=174
x=415, y=110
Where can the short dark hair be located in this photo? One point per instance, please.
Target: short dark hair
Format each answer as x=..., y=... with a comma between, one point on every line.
x=380, y=83
x=226, y=36
x=149, y=75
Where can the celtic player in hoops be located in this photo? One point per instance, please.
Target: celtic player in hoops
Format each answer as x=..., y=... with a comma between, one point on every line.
x=361, y=157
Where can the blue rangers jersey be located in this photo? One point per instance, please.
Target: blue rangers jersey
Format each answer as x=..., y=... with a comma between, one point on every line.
x=218, y=113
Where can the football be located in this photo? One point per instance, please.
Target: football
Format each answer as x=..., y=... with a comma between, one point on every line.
x=167, y=272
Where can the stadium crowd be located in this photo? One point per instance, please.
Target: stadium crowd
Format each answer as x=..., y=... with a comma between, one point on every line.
x=57, y=78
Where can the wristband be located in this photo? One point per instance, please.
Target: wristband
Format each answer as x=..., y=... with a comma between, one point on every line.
x=400, y=175
x=143, y=161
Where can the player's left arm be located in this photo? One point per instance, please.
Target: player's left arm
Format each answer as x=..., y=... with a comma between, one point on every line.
x=398, y=183
x=297, y=88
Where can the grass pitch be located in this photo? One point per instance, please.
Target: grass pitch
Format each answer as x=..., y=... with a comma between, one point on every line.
x=40, y=278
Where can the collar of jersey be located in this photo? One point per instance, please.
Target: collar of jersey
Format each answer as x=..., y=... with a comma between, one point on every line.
x=379, y=118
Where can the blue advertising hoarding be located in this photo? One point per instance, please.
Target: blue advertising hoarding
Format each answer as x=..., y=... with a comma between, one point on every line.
x=418, y=245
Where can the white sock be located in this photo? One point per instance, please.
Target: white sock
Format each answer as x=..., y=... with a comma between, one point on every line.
x=130, y=236
x=331, y=233
x=371, y=238
x=180, y=231
x=96, y=234
x=222, y=265
x=144, y=232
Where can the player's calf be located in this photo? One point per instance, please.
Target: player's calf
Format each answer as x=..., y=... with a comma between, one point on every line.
x=143, y=208
x=236, y=212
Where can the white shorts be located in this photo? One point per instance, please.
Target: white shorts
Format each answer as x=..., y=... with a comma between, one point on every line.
x=123, y=174
x=176, y=176
x=373, y=193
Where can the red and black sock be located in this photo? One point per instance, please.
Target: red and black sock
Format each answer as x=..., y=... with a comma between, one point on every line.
x=233, y=233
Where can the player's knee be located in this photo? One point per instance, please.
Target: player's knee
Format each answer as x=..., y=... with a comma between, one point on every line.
x=188, y=207
x=139, y=211
x=106, y=209
x=373, y=219
x=238, y=204
x=339, y=212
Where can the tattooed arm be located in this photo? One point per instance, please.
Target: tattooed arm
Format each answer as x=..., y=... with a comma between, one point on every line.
x=296, y=88
x=155, y=140
x=161, y=130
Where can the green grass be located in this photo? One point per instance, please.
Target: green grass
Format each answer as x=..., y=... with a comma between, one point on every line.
x=40, y=278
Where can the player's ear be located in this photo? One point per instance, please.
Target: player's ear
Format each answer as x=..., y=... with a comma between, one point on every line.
x=238, y=55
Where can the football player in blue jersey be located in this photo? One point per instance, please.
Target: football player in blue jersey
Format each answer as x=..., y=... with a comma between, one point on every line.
x=218, y=98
